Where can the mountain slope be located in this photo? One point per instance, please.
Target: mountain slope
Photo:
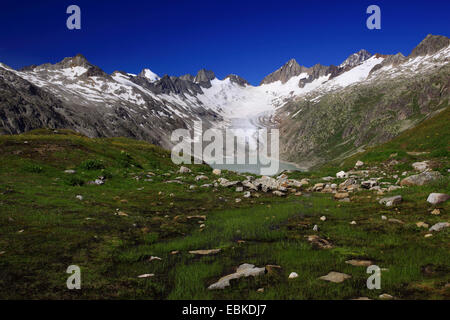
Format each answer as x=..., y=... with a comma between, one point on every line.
x=323, y=112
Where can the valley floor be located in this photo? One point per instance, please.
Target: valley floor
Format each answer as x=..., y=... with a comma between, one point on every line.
x=145, y=217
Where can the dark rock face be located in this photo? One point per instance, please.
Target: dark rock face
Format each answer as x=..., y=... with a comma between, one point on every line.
x=356, y=58
x=204, y=78
x=61, y=102
x=236, y=79
x=24, y=107
x=390, y=60
x=431, y=44
x=288, y=70
x=315, y=72
x=188, y=77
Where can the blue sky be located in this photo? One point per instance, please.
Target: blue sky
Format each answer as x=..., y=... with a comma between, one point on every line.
x=245, y=37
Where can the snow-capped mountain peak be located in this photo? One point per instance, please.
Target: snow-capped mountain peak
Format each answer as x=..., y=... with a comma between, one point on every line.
x=355, y=59
x=149, y=75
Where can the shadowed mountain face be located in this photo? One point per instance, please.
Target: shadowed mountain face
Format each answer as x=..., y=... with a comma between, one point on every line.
x=323, y=112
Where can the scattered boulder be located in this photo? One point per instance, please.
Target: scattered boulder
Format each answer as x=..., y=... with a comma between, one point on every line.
x=439, y=226
x=390, y=201
x=217, y=172
x=249, y=185
x=70, y=171
x=205, y=252
x=279, y=193
x=201, y=177
x=396, y=221
x=359, y=164
x=267, y=183
x=185, y=170
x=341, y=195
x=436, y=198
x=154, y=258
x=420, y=166
x=341, y=175
x=293, y=275
x=79, y=197
x=385, y=296
x=336, y=277
x=369, y=184
x=244, y=270
x=422, y=224
x=247, y=194
x=319, y=242
x=146, y=275
x=436, y=212
x=359, y=263
x=318, y=187
x=421, y=178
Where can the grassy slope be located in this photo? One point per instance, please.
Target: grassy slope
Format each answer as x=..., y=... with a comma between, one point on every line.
x=36, y=196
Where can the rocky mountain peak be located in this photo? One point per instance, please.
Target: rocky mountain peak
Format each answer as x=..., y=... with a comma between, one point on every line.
x=188, y=77
x=78, y=61
x=149, y=75
x=356, y=58
x=288, y=70
x=204, y=77
x=431, y=44
x=236, y=79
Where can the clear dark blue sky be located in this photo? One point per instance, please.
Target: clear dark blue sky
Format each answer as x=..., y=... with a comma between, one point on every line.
x=245, y=37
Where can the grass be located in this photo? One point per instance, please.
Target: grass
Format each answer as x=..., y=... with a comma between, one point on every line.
x=44, y=228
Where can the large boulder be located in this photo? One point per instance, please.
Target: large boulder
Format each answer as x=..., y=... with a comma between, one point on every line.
x=421, y=178
x=436, y=198
x=440, y=226
x=244, y=270
x=420, y=166
x=390, y=201
x=185, y=169
x=267, y=183
x=341, y=175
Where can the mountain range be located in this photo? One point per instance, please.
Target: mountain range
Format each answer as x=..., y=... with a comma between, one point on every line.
x=323, y=112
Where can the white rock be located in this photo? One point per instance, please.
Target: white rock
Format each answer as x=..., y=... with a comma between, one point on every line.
x=341, y=175
x=323, y=218
x=336, y=277
x=359, y=164
x=244, y=270
x=185, y=169
x=386, y=296
x=146, y=275
x=293, y=275
x=420, y=166
x=390, y=201
x=315, y=228
x=79, y=197
x=439, y=226
x=217, y=172
x=436, y=198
